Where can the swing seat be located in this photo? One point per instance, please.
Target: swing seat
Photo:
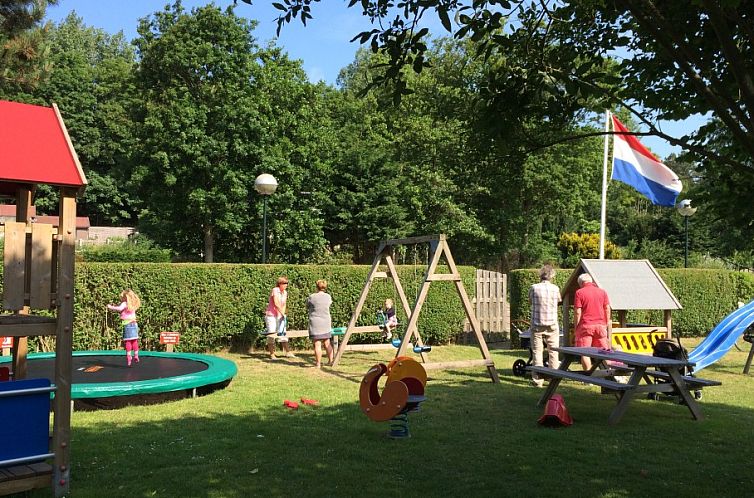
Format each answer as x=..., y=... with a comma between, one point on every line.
x=396, y=342
x=422, y=349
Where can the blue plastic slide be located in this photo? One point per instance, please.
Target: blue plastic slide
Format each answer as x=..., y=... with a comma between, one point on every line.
x=722, y=337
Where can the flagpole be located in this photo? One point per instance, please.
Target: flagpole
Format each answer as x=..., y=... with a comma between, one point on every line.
x=603, y=210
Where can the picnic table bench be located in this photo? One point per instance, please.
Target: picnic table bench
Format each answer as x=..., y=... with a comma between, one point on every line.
x=638, y=365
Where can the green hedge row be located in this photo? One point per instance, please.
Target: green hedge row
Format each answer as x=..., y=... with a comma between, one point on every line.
x=707, y=296
x=216, y=306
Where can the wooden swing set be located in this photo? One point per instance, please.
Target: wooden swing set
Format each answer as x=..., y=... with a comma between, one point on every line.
x=438, y=247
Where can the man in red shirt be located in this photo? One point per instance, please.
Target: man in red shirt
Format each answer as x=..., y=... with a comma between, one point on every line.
x=592, y=316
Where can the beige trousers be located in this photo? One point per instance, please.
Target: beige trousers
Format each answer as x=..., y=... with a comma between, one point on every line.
x=541, y=334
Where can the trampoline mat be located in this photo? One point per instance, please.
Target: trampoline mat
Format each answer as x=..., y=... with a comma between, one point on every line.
x=96, y=369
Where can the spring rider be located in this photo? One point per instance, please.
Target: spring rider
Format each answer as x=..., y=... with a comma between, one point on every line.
x=402, y=394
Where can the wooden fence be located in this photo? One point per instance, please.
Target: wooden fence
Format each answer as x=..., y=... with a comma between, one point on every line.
x=491, y=304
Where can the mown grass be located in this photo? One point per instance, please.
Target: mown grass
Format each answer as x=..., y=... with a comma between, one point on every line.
x=471, y=438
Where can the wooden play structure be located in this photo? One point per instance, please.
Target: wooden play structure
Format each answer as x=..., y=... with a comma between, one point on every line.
x=438, y=247
x=38, y=275
x=630, y=285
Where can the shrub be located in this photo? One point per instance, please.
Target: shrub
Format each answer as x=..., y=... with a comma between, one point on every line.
x=576, y=246
x=136, y=250
x=215, y=306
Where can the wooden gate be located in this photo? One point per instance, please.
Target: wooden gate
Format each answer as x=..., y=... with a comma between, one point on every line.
x=491, y=304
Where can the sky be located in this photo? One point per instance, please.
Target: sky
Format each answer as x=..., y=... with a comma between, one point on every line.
x=323, y=46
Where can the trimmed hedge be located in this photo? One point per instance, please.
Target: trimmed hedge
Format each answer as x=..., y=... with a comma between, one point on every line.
x=216, y=306
x=707, y=296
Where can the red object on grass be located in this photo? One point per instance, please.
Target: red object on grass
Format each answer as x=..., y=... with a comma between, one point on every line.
x=290, y=404
x=556, y=413
x=310, y=402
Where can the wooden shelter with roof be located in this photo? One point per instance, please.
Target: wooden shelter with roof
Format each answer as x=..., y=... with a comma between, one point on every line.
x=630, y=285
x=38, y=274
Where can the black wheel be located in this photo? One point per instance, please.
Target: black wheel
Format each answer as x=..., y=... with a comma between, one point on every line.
x=519, y=368
x=653, y=396
x=698, y=394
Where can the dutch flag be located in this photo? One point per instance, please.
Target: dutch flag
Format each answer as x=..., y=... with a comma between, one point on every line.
x=634, y=165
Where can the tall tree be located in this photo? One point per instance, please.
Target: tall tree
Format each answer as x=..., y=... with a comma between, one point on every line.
x=209, y=126
x=22, y=43
x=680, y=59
x=91, y=81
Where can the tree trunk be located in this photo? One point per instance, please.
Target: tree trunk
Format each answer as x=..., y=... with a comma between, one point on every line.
x=209, y=244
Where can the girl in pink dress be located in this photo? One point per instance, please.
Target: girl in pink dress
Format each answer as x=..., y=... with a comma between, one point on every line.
x=130, y=302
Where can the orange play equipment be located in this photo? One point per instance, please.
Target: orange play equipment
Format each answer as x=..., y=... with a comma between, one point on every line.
x=403, y=392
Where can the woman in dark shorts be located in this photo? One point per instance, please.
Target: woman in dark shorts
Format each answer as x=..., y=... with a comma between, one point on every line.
x=320, y=323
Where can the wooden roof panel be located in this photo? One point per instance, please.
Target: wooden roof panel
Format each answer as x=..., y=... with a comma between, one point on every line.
x=631, y=284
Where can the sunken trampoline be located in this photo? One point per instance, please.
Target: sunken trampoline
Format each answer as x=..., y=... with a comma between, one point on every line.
x=102, y=380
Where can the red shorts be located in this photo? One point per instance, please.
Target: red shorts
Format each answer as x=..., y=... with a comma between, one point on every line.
x=592, y=336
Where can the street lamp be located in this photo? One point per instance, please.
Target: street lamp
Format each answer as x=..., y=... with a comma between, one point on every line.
x=266, y=185
x=685, y=209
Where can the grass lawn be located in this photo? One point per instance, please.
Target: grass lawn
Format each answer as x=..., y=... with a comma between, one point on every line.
x=471, y=438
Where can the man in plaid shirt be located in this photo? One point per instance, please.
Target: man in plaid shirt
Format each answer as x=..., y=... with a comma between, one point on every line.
x=544, y=298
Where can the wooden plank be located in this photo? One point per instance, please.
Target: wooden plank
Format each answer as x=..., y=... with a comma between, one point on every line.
x=437, y=277
x=41, y=266
x=379, y=274
x=14, y=266
x=695, y=381
x=443, y=365
x=20, y=485
x=413, y=240
x=589, y=379
x=64, y=343
x=638, y=330
x=369, y=347
x=71, y=149
x=28, y=330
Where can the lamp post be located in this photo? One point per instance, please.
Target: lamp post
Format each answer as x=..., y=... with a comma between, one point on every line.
x=685, y=209
x=266, y=185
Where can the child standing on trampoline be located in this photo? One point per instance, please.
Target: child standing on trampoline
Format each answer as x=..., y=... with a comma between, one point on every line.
x=130, y=302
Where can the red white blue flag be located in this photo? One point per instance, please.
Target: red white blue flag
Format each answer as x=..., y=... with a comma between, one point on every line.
x=634, y=165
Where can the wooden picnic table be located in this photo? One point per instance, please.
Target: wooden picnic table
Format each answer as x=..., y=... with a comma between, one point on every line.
x=638, y=365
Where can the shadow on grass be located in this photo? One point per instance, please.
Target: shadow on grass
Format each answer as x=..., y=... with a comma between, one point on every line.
x=471, y=438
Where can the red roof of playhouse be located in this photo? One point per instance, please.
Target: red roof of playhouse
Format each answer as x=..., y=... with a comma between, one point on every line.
x=35, y=147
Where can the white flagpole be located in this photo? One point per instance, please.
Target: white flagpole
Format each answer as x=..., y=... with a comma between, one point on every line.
x=603, y=210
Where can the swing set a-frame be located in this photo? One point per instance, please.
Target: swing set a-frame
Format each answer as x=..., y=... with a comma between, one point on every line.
x=385, y=255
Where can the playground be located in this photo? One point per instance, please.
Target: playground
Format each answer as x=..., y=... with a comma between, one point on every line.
x=470, y=436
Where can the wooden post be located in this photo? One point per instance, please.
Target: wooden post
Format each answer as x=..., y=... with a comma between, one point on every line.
x=20, y=344
x=359, y=305
x=64, y=342
x=566, y=319
x=668, y=323
x=469, y=311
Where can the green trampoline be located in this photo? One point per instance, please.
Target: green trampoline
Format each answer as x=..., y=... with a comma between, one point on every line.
x=101, y=379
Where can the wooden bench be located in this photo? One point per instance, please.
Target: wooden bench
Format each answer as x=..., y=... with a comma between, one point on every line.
x=580, y=377
x=20, y=478
x=693, y=382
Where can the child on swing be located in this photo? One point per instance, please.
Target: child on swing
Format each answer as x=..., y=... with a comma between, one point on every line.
x=130, y=302
x=391, y=321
